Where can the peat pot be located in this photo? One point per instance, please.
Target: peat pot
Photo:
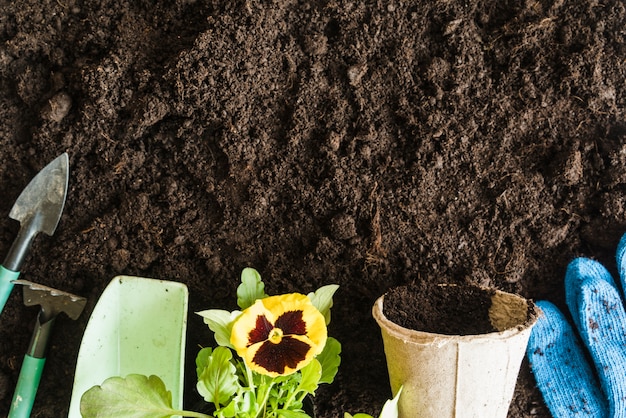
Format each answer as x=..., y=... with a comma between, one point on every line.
x=459, y=376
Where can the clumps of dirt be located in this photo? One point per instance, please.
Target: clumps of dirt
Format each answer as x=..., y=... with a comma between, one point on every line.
x=440, y=309
x=369, y=144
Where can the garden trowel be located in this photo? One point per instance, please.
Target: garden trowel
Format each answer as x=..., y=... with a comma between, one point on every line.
x=38, y=209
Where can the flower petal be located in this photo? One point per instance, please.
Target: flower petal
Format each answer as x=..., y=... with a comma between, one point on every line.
x=251, y=327
x=293, y=309
x=279, y=335
x=261, y=331
x=291, y=323
x=280, y=359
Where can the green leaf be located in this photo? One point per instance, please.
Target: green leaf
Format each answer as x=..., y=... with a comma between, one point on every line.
x=218, y=381
x=390, y=408
x=250, y=289
x=221, y=323
x=135, y=396
x=202, y=360
x=246, y=402
x=311, y=374
x=330, y=359
x=322, y=299
x=229, y=411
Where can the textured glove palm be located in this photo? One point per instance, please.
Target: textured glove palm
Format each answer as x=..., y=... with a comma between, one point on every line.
x=570, y=386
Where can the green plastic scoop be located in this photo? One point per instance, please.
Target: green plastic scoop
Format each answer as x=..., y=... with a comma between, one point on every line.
x=38, y=209
x=138, y=326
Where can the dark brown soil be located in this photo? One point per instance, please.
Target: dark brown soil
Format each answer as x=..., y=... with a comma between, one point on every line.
x=449, y=310
x=369, y=144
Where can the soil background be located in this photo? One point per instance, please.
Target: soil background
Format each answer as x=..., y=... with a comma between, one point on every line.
x=368, y=144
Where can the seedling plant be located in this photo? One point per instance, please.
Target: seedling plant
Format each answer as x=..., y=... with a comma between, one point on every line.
x=270, y=355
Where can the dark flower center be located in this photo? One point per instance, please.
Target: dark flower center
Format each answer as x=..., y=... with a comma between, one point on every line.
x=278, y=349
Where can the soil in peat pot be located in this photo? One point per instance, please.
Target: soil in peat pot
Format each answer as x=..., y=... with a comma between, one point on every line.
x=370, y=144
x=449, y=310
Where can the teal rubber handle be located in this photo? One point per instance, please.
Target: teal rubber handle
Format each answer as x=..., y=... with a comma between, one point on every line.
x=26, y=388
x=6, y=284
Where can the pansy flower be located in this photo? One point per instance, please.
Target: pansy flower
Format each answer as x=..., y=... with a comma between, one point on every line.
x=279, y=335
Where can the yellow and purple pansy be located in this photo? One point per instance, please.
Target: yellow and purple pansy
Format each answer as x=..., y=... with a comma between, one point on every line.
x=279, y=335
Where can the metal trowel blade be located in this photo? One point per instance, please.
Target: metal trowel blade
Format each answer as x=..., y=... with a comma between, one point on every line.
x=44, y=197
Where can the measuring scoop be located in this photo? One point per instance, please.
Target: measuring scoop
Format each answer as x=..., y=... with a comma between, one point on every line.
x=137, y=327
x=38, y=209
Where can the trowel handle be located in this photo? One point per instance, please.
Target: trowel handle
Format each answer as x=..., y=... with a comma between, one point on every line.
x=6, y=284
x=26, y=388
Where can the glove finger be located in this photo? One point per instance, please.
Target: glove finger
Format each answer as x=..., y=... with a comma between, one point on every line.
x=561, y=370
x=621, y=260
x=603, y=331
x=578, y=271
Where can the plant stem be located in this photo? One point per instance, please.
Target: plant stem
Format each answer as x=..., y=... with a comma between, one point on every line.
x=302, y=396
x=290, y=399
x=249, y=376
x=264, y=390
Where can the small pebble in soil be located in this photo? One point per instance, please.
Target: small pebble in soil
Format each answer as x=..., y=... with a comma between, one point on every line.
x=57, y=107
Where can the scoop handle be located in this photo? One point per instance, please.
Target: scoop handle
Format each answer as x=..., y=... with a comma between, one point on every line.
x=26, y=389
x=6, y=284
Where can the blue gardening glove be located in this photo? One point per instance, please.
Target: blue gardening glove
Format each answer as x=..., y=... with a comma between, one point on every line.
x=559, y=355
